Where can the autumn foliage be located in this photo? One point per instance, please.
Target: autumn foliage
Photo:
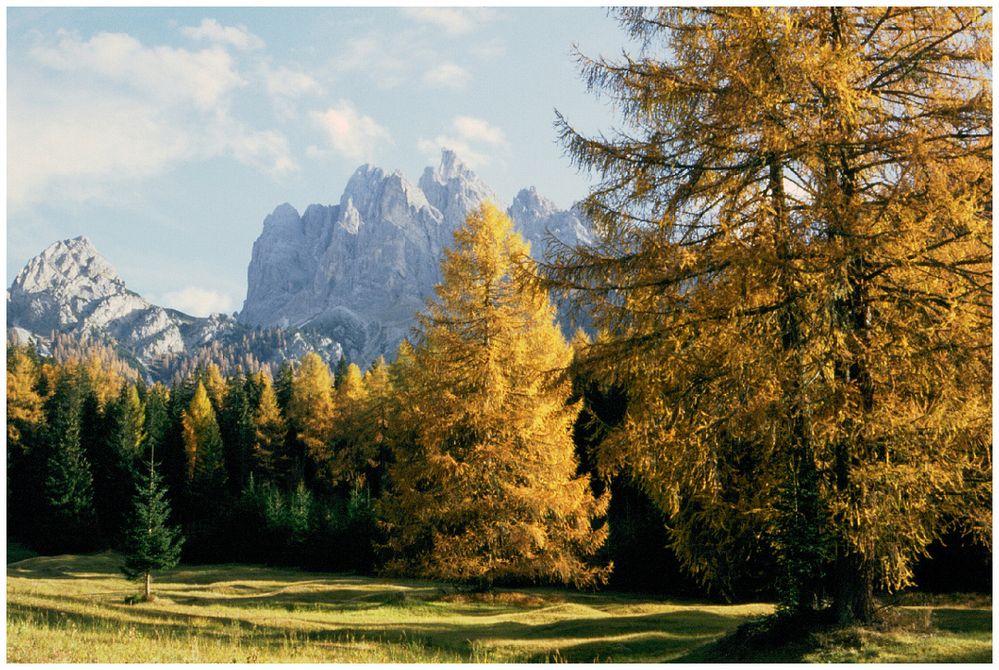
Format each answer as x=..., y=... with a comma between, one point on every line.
x=485, y=487
x=793, y=283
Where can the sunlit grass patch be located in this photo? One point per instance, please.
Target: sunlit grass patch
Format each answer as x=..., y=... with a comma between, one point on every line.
x=73, y=609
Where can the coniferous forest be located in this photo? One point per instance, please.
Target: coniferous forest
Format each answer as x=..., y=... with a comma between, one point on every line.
x=786, y=395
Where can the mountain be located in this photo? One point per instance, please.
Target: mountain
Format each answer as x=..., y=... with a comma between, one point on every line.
x=70, y=289
x=347, y=278
x=360, y=270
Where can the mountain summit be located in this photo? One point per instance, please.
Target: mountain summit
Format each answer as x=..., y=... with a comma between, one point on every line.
x=70, y=287
x=359, y=271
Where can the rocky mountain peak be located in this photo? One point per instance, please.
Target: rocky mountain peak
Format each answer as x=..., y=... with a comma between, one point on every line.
x=451, y=167
x=70, y=288
x=453, y=189
x=360, y=271
x=283, y=216
x=70, y=267
x=528, y=203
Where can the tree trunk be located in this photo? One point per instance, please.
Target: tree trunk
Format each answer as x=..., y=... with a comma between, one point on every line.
x=853, y=600
x=148, y=594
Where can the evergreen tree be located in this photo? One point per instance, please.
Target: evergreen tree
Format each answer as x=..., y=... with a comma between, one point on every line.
x=792, y=279
x=115, y=452
x=156, y=403
x=172, y=451
x=150, y=543
x=488, y=489
x=68, y=520
x=282, y=385
x=340, y=372
x=238, y=432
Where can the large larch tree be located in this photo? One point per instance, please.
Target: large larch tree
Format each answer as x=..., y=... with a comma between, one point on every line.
x=488, y=488
x=793, y=282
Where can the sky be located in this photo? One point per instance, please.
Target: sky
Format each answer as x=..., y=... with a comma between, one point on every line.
x=166, y=135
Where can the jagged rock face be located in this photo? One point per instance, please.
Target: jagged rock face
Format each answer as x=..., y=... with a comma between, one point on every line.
x=360, y=271
x=539, y=220
x=71, y=288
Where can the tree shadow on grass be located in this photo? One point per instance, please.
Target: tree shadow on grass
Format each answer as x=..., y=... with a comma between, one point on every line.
x=66, y=566
x=630, y=638
x=958, y=635
x=550, y=624
x=958, y=620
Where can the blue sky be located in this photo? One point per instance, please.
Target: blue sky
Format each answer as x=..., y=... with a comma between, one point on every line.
x=167, y=135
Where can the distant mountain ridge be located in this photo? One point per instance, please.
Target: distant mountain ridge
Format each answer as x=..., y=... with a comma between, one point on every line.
x=362, y=269
x=345, y=279
x=70, y=288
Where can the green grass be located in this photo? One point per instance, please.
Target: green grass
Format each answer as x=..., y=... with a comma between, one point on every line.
x=73, y=609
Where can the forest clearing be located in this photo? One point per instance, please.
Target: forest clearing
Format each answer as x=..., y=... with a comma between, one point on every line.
x=73, y=608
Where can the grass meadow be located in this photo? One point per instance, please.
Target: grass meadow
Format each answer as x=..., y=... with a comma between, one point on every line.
x=74, y=609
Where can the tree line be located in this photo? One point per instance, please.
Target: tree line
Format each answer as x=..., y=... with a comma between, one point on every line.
x=457, y=461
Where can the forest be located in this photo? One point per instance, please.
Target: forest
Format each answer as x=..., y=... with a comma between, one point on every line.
x=787, y=396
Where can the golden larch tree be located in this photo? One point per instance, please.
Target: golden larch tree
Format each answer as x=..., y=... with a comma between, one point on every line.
x=206, y=473
x=793, y=281
x=270, y=431
x=488, y=487
x=349, y=428
x=311, y=410
x=24, y=403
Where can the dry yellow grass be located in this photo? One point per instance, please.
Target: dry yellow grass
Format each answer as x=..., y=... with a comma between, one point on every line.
x=73, y=609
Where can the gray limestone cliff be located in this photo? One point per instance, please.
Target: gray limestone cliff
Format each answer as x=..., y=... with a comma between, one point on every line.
x=360, y=270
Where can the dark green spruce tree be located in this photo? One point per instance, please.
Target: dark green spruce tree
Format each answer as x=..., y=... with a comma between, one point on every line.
x=69, y=521
x=150, y=543
x=116, y=459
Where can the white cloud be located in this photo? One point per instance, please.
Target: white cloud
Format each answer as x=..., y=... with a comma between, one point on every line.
x=198, y=301
x=476, y=141
x=203, y=77
x=447, y=75
x=266, y=150
x=88, y=116
x=285, y=86
x=479, y=130
x=349, y=132
x=212, y=31
x=285, y=82
x=453, y=20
